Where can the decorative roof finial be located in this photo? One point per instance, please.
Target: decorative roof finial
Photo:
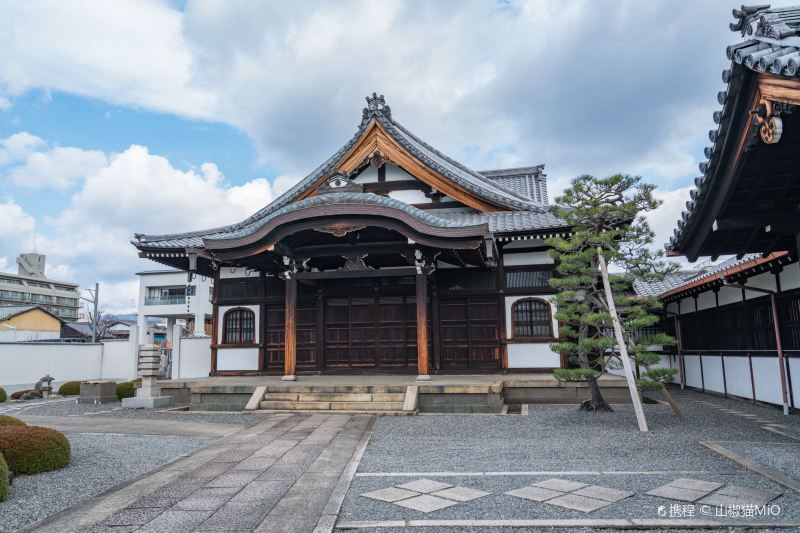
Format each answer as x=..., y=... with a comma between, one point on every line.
x=376, y=105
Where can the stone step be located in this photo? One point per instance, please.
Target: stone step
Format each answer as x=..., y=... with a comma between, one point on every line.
x=345, y=389
x=389, y=396
x=372, y=406
x=334, y=397
x=274, y=405
x=281, y=396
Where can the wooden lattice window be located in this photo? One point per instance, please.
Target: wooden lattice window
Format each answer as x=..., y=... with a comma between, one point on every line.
x=239, y=326
x=530, y=318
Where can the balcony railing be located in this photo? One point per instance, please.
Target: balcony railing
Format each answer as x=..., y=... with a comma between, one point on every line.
x=170, y=300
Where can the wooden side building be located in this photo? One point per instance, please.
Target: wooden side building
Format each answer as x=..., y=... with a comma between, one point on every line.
x=739, y=322
x=390, y=257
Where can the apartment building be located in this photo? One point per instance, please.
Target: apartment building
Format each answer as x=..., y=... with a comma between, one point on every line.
x=31, y=286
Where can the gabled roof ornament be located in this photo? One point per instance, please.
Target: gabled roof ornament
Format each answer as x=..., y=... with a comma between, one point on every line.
x=375, y=105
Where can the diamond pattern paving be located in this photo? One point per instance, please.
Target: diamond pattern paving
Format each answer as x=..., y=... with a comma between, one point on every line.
x=425, y=495
x=570, y=494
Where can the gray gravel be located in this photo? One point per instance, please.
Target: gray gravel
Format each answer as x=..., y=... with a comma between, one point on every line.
x=561, y=438
x=72, y=408
x=783, y=457
x=98, y=463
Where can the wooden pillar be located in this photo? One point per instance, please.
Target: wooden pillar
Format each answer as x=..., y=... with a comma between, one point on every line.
x=422, y=328
x=290, y=332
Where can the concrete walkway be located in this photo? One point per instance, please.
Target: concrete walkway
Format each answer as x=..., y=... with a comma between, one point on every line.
x=288, y=473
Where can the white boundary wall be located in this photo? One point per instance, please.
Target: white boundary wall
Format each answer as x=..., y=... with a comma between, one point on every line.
x=731, y=373
x=23, y=364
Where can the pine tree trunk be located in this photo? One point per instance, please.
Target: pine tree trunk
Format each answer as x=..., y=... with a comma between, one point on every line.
x=596, y=402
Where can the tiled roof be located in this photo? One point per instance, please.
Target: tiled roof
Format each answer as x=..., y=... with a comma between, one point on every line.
x=773, y=46
x=196, y=239
x=10, y=311
x=677, y=282
x=530, y=182
x=509, y=221
x=481, y=186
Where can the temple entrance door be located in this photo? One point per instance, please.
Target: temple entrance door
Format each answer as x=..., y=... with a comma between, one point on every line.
x=469, y=333
x=370, y=332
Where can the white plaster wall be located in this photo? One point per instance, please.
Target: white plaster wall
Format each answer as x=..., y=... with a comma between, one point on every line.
x=737, y=376
x=790, y=277
x=729, y=295
x=237, y=359
x=712, y=372
x=228, y=272
x=410, y=197
x=534, y=354
x=766, y=375
x=21, y=364
x=794, y=368
x=19, y=335
x=691, y=365
x=705, y=300
x=395, y=173
x=195, y=358
x=221, y=311
x=527, y=258
x=763, y=281
x=368, y=175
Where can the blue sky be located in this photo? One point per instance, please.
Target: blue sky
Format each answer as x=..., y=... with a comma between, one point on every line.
x=160, y=116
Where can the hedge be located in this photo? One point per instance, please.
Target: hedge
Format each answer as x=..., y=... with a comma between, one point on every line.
x=70, y=388
x=32, y=449
x=3, y=395
x=3, y=479
x=125, y=390
x=6, y=420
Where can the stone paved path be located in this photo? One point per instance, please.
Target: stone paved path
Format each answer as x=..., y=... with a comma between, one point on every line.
x=288, y=473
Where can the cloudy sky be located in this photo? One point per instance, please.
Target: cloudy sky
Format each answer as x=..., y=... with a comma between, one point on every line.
x=153, y=116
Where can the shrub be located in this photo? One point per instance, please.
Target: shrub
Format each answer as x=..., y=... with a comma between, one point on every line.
x=32, y=449
x=17, y=395
x=6, y=420
x=70, y=388
x=125, y=390
x=3, y=479
x=3, y=395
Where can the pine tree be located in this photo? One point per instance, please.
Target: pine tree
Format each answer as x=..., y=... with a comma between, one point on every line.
x=606, y=214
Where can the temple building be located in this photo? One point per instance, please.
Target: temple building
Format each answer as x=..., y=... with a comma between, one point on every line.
x=738, y=322
x=390, y=257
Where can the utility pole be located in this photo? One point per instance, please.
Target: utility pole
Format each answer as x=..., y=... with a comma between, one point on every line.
x=94, y=300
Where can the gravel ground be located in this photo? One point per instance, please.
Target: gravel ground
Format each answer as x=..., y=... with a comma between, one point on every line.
x=783, y=457
x=558, y=437
x=98, y=463
x=561, y=438
x=72, y=408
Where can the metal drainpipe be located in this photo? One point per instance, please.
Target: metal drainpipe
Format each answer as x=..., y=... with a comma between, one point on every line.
x=773, y=299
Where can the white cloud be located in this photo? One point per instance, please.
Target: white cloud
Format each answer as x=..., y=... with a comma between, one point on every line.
x=664, y=219
x=128, y=52
x=5, y=103
x=16, y=229
x=57, y=168
x=18, y=146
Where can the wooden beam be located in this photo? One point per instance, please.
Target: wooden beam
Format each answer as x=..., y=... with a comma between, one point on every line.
x=290, y=332
x=422, y=328
x=779, y=89
x=353, y=274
